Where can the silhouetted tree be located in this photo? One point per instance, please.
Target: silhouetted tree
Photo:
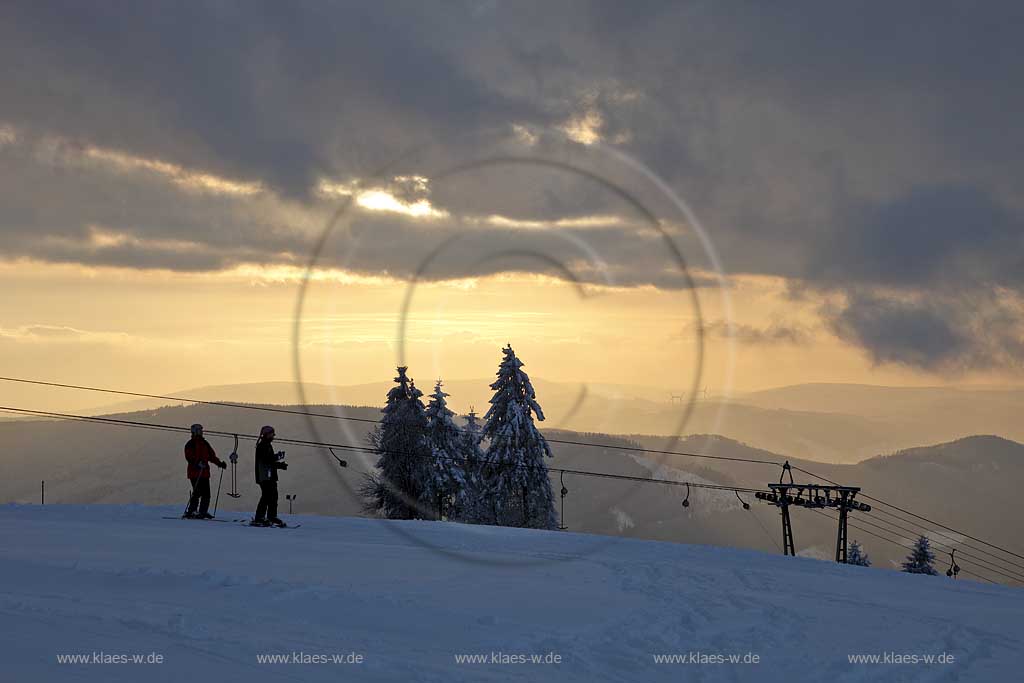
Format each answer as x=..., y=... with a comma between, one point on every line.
x=920, y=559
x=396, y=489
x=445, y=477
x=856, y=555
x=474, y=505
x=518, y=490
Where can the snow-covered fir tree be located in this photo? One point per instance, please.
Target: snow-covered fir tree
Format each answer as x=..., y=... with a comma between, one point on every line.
x=516, y=476
x=855, y=555
x=920, y=559
x=472, y=506
x=401, y=441
x=443, y=487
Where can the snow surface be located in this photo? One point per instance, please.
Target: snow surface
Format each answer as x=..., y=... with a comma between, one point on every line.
x=409, y=596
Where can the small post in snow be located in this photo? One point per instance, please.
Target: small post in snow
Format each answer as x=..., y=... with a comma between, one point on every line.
x=42, y=492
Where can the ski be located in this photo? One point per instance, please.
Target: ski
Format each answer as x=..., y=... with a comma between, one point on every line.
x=261, y=526
x=193, y=519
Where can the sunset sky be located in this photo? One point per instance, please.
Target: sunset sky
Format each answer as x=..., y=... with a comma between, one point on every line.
x=854, y=176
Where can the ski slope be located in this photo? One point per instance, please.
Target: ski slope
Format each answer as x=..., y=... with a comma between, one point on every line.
x=409, y=597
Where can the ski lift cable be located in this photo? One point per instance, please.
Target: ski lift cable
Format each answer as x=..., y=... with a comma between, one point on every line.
x=964, y=571
x=918, y=529
x=746, y=506
x=286, y=411
x=551, y=440
x=901, y=545
x=116, y=422
x=931, y=533
x=930, y=521
x=350, y=447
x=765, y=532
x=363, y=449
x=183, y=399
x=177, y=429
x=945, y=548
x=921, y=517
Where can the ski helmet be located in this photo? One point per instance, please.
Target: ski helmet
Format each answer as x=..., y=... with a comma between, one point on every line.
x=267, y=431
x=197, y=429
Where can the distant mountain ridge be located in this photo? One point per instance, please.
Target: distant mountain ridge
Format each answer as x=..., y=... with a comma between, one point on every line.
x=823, y=422
x=96, y=463
x=963, y=452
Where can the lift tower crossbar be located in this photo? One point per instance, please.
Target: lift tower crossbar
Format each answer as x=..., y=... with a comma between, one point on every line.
x=783, y=495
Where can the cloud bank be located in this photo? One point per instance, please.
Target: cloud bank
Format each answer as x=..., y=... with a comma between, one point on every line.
x=867, y=154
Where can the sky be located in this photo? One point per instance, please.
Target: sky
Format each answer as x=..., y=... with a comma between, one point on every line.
x=675, y=195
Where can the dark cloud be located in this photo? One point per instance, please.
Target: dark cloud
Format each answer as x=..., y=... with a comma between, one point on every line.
x=260, y=90
x=956, y=252
x=870, y=151
x=897, y=332
x=65, y=208
x=941, y=335
x=931, y=236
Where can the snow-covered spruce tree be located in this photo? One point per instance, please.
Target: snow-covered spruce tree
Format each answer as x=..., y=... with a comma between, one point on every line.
x=443, y=487
x=472, y=507
x=920, y=559
x=855, y=555
x=515, y=475
x=400, y=440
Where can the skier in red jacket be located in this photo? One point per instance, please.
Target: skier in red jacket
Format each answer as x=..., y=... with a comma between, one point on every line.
x=199, y=454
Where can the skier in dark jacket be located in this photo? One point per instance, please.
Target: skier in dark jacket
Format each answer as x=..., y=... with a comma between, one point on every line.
x=199, y=454
x=267, y=464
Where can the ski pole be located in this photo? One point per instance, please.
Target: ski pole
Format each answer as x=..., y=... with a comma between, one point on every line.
x=219, y=482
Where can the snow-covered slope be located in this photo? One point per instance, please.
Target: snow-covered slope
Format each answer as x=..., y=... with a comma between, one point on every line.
x=410, y=597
